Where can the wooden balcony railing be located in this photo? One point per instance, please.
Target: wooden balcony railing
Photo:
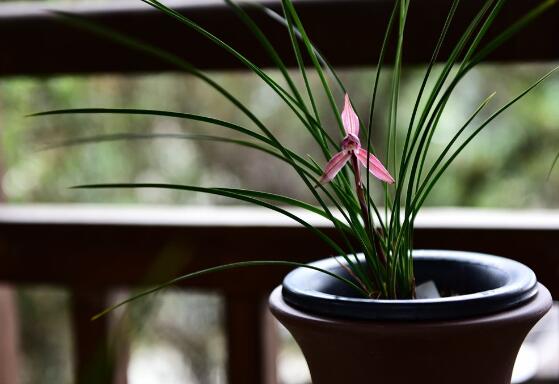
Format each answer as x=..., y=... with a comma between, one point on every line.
x=45, y=45
x=94, y=250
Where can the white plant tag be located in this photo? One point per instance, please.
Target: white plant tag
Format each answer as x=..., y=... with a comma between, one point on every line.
x=427, y=290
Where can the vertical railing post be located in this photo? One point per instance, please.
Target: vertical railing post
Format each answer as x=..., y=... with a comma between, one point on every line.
x=9, y=335
x=9, y=324
x=96, y=361
x=251, y=340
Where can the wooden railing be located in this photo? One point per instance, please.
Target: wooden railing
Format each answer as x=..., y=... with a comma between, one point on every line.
x=46, y=45
x=93, y=250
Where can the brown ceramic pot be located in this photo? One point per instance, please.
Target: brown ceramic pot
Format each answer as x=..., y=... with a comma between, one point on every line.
x=472, y=350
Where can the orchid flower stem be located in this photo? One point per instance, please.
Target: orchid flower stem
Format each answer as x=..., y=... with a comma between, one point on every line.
x=359, y=190
x=365, y=210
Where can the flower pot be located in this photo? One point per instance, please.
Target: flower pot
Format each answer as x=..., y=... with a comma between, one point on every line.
x=471, y=338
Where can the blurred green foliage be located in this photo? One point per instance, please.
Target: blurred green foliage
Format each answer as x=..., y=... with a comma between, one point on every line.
x=506, y=166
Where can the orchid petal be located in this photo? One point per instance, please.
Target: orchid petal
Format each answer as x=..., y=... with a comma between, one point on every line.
x=349, y=118
x=375, y=166
x=334, y=166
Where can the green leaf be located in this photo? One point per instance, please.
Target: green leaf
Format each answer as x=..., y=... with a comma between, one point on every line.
x=149, y=112
x=151, y=50
x=552, y=166
x=289, y=100
x=322, y=60
x=290, y=12
x=314, y=125
x=234, y=194
x=220, y=268
x=422, y=194
x=153, y=112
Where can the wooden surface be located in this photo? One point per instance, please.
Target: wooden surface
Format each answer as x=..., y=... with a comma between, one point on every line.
x=10, y=366
x=94, y=362
x=124, y=246
x=40, y=44
x=93, y=249
x=252, y=344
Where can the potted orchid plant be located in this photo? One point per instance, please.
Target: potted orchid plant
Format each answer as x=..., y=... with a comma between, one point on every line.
x=403, y=314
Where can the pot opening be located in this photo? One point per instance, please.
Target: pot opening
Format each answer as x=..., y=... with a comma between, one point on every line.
x=471, y=284
x=452, y=278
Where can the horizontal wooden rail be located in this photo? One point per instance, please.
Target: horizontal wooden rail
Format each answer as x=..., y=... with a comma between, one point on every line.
x=348, y=32
x=101, y=247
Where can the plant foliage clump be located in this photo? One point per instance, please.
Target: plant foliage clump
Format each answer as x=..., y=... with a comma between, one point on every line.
x=381, y=227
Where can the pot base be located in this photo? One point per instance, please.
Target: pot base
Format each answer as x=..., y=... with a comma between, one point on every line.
x=479, y=350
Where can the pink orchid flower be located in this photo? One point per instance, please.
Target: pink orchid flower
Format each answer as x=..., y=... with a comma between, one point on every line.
x=351, y=147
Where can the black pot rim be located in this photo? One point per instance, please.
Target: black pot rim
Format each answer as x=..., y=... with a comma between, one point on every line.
x=520, y=286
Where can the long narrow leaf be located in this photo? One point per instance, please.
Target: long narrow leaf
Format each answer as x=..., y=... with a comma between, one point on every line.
x=553, y=164
x=290, y=10
x=225, y=267
x=233, y=195
x=289, y=100
x=422, y=194
x=313, y=122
